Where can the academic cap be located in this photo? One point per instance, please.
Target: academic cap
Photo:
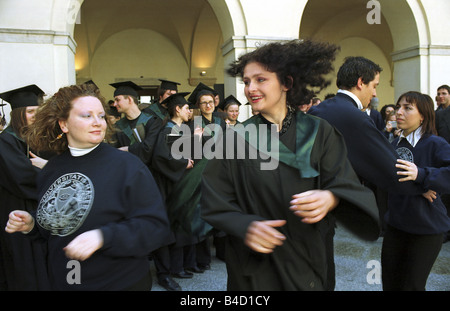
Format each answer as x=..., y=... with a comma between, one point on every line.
x=200, y=90
x=126, y=88
x=227, y=101
x=90, y=82
x=169, y=85
x=176, y=99
x=23, y=97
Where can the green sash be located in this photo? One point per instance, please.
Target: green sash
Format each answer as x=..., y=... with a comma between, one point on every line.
x=155, y=108
x=183, y=208
x=10, y=130
x=306, y=131
x=124, y=126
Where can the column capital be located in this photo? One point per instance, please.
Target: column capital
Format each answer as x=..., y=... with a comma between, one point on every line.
x=9, y=35
x=249, y=42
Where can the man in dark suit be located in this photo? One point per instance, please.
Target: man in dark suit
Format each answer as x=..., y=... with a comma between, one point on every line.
x=372, y=156
x=443, y=129
x=443, y=112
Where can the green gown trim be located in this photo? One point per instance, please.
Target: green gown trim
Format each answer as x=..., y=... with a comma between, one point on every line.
x=10, y=130
x=155, y=108
x=184, y=208
x=306, y=131
x=124, y=126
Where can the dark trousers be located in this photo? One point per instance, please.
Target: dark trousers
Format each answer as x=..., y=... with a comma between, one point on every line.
x=203, y=252
x=168, y=260
x=446, y=200
x=407, y=259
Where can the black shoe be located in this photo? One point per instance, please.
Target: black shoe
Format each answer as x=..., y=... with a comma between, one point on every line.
x=446, y=238
x=195, y=270
x=169, y=284
x=204, y=267
x=183, y=275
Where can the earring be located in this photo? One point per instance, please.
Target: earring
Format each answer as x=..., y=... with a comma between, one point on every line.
x=57, y=138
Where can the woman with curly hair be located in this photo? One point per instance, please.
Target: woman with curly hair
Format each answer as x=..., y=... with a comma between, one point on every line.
x=94, y=208
x=274, y=217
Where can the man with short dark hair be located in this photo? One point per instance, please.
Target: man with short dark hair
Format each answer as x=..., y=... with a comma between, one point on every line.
x=443, y=97
x=443, y=129
x=372, y=156
x=443, y=112
x=137, y=131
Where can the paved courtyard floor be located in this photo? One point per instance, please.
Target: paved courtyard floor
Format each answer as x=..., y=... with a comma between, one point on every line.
x=357, y=268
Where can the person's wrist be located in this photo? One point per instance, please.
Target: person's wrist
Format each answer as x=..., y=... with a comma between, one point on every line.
x=31, y=225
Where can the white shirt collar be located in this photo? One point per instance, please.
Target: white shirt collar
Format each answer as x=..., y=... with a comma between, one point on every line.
x=77, y=152
x=354, y=97
x=413, y=138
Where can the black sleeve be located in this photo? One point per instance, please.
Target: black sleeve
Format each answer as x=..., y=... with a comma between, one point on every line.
x=144, y=149
x=144, y=220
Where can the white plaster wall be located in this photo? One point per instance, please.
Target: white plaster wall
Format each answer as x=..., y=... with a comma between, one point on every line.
x=366, y=48
x=26, y=14
x=35, y=44
x=278, y=19
x=137, y=53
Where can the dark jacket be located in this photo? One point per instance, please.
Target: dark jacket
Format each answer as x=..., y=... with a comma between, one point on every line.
x=443, y=123
x=372, y=156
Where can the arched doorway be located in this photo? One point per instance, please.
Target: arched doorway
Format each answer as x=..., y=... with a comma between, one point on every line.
x=143, y=41
x=345, y=23
x=396, y=41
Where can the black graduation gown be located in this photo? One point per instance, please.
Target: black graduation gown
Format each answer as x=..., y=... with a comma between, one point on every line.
x=236, y=192
x=148, y=128
x=157, y=110
x=184, y=207
x=23, y=264
x=168, y=171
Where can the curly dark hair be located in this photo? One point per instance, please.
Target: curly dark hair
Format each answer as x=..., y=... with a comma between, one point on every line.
x=300, y=65
x=45, y=133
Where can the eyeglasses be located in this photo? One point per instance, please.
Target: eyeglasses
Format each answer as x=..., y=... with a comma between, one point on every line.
x=210, y=103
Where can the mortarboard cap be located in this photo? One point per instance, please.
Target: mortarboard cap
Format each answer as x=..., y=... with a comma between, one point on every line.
x=126, y=88
x=90, y=82
x=227, y=101
x=200, y=89
x=23, y=97
x=176, y=99
x=169, y=85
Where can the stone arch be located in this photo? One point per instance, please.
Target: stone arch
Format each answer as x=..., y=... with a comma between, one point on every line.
x=410, y=55
x=402, y=34
x=189, y=35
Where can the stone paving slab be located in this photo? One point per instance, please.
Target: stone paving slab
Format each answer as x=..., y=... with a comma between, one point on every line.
x=356, y=268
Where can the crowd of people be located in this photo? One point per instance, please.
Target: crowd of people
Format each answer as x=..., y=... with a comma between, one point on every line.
x=94, y=192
